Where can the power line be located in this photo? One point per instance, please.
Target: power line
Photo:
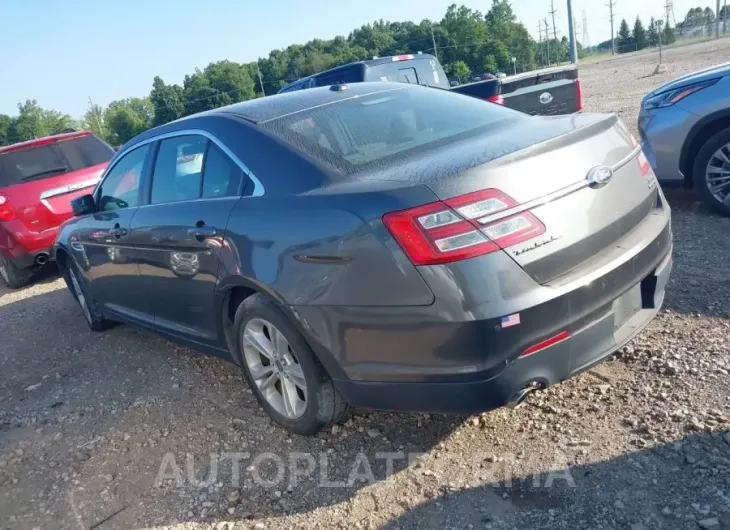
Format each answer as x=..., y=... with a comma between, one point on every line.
x=610, y=5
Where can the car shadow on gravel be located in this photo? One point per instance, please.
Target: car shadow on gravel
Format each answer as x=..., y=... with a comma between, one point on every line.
x=675, y=485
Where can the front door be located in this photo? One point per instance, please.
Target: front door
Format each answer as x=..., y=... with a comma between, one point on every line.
x=179, y=234
x=111, y=261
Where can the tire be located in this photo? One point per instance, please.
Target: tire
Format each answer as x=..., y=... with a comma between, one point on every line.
x=82, y=293
x=706, y=155
x=259, y=318
x=12, y=276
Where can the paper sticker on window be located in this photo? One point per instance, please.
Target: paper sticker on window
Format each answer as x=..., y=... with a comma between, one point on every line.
x=384, y=78
x=435, y=77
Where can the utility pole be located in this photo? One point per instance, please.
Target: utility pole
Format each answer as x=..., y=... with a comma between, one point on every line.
x=610, y=5
x=540, y=47
x=573, y=37
x=555, y=28
x=586, y=37
x=547, y=42
x=717, y=20
x=261, y=82
x=433, y=38
x=724, y=18
x=96, y=115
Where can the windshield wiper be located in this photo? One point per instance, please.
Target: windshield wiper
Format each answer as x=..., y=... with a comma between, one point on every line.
x=59, y=169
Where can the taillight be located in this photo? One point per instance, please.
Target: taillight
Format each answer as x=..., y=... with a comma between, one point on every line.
x=579, y=94
x=7, y=212
x=458, y=228
x=498, y=99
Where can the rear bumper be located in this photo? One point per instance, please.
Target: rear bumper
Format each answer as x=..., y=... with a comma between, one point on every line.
x=582, y=350
x=24, y=248
x=456, y=356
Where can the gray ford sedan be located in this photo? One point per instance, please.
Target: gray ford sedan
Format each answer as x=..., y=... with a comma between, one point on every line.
x=379, y=246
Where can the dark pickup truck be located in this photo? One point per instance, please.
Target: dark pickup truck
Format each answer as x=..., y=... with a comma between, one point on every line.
x=547, y=92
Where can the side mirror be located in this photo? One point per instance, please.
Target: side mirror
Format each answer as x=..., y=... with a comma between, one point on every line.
x=83, y=205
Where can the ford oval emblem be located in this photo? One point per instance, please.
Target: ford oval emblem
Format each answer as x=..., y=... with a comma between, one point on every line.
x=599, y=176
x=546, y=97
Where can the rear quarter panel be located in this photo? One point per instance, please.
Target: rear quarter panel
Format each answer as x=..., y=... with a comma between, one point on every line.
x=323, y=249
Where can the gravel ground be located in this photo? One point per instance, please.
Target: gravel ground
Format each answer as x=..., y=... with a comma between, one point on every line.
x=124, y=429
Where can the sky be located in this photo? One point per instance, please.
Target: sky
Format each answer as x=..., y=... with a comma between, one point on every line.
x=65, y=53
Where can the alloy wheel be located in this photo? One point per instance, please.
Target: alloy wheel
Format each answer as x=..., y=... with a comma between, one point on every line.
x=80, y=295
x=717, y=175
x=274, y=368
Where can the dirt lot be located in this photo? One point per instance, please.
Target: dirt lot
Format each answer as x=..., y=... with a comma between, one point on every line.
x=123, y=429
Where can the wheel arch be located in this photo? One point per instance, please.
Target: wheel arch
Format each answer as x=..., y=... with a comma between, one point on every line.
x=698, y=135
x=239, y=288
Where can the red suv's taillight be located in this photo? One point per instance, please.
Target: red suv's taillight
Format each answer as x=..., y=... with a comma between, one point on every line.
x=7, y=212
x=454, y=229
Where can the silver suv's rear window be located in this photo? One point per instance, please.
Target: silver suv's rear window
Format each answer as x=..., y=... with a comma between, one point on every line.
x=358, y=132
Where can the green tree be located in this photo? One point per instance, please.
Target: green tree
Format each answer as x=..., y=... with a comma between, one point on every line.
x=461, y=71
x=93, y=121
x=5, y=123
x=168, y=101
x=126, y=118
x=639, y=34
x=652, y=35
x=668, y=35
x=624, y=42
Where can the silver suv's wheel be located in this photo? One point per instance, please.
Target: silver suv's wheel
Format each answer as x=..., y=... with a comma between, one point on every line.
x=717, y=174
x=711, y=171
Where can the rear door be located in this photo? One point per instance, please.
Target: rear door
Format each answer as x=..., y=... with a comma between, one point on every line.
x=40, y=181
x=178, y=235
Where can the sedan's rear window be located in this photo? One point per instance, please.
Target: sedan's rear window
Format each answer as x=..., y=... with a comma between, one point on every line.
x=358, y=132
x=53, y=159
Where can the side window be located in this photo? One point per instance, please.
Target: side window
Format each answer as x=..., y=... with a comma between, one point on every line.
x=221, y=175
x=178, y=169
x=120, y=188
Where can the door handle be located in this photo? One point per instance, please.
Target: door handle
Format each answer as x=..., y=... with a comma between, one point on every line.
x=202, y=233
x=118, y=232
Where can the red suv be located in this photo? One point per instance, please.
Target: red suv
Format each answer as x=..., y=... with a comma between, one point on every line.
x=38, y=179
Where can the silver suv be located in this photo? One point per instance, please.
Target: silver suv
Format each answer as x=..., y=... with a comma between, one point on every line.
x=685, y=132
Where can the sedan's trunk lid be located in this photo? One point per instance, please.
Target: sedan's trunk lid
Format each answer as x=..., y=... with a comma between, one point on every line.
x=543, y=164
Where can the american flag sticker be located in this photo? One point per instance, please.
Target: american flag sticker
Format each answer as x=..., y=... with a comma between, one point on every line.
x=510, y=320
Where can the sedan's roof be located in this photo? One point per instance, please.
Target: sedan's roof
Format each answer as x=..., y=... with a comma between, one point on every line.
x=272, y=107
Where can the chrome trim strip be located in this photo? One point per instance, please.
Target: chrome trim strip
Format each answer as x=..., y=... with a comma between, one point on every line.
x=558, y=194
x=258, y=188
x=70, y=187
x=534, y=203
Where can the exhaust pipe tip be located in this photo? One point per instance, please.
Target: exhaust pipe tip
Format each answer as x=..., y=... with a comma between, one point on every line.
x=516, y=399
x=41, y=259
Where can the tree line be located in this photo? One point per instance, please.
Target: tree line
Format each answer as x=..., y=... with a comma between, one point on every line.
x=697, y=22
x=467, y=42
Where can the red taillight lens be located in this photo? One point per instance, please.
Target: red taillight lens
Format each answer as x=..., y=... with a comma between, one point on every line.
x=7, y=212
x=579, y=94
x=454, y=229
x=498, y=99
x=560, y=337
